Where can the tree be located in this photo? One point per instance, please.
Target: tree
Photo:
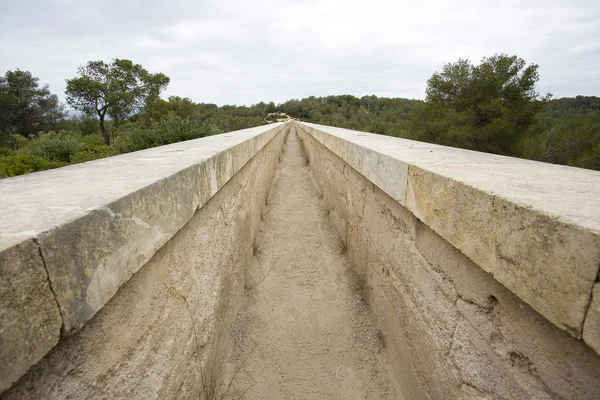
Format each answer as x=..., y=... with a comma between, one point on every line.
x=116, y=90
x=25, y=107
x=485, y=107
x=53, y=112
x=182, y=107
x=566, y=132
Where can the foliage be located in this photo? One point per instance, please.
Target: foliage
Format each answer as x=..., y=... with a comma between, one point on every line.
x=380, y=115
x=170, y=129
x=25, y=106
x=117, y=90
x=485, y=107
x=19, y=141
x=80, y=141
x=491, y=107
x=55, y=146
x=566, y=132
x=18, y=164
x=227, y=118
x=92, y=151
x=81, y=123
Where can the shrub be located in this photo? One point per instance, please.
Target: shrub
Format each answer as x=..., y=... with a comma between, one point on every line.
x=170, y=129
x=55, y=146
x=92, y=151
x=19, y=164
x=20, y=141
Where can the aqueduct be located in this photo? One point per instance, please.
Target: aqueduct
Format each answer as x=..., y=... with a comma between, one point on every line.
x=295, y=260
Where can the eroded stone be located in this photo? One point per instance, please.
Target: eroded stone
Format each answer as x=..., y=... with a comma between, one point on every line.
x=591, y=328
x=29, y=317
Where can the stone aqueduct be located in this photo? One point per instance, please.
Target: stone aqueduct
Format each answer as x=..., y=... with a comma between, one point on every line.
x=481, y=270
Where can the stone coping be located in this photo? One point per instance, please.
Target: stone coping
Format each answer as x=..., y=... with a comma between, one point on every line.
x=70, y=237
x=534, y=226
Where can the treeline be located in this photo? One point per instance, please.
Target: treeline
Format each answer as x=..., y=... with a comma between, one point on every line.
x=491, y=107
x=564, y=131
x=385, y=116
x=79, y=139
x=37, y=134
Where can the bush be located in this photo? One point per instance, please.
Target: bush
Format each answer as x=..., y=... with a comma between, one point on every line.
x=20, y=141
x=574, y=142
x=19, y=164
x=56, y=149
x=92, y=151
x=55, y=146
x=170, y=129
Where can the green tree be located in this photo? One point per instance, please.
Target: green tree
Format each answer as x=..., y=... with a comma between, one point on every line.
x=25, y=106
x=486, y=107
x=566, y=132
x=117, y=90
x=53, y=112
x=183, y=107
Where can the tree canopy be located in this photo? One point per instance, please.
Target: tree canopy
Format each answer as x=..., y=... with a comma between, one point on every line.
x=117, y=90
x=25, y=106
x=483, y=107
x=490, y=107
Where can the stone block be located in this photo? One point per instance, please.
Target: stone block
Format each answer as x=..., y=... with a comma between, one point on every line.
x=534, y=226
x=548, y=263
x=90, y=258
x=29, y=318
x=96, y=224
x=591, y=328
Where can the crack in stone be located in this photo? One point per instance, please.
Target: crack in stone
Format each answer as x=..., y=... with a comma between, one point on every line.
x=485, y=308
x=62, y=318
x=589, y=302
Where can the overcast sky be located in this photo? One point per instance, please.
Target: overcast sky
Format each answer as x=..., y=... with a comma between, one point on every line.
x=243, y=52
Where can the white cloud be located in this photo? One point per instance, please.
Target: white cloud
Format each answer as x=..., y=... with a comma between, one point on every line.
x=241, y=52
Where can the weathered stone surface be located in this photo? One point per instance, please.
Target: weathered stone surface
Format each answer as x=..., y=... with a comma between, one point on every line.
x=166, y=332
x=97, y=223
x=534, y=226
x=547, y=261
x=368, y=154
x=453, y=326
x=89, y=258
x=29, y=318
x=591, y=329
x=416, y=317
x=452, y=330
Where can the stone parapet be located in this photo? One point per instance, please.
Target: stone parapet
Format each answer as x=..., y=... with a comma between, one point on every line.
x=534, y=226
x=71, y=237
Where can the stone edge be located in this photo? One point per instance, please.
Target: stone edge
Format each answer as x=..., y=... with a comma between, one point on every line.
x=581, y=323
x=208, y=175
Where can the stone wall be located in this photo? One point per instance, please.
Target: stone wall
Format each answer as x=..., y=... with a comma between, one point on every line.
x=126, y=282
x=482, y=270
x=460, y=323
